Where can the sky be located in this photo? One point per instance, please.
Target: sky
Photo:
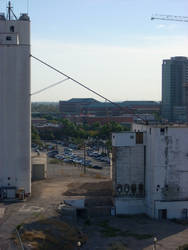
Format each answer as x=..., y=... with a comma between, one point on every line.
x=111, y=46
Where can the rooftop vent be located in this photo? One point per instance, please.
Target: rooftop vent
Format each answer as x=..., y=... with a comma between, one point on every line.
x=24, y=17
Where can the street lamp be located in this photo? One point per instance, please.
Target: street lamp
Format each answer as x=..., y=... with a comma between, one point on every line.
x=154, y=243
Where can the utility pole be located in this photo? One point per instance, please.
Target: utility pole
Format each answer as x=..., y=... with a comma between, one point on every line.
x=84, y=157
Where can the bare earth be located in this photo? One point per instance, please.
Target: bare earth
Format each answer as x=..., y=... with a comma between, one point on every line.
x=66, y=181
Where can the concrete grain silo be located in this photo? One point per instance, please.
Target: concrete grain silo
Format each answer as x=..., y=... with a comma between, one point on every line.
x=15, y=129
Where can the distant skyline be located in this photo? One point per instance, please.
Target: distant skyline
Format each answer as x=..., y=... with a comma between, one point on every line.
x=111, y=46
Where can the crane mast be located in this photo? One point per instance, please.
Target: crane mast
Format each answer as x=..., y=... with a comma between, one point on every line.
x=170, y=18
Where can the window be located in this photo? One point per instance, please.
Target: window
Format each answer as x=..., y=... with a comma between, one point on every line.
x=8, y=38
x=133, y=188
x=162, y=131
x=162, y=214
x=141, y=188
x=11, y=28
x=139, y=138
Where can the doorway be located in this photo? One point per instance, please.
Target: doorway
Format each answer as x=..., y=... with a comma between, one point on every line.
x=162, y=214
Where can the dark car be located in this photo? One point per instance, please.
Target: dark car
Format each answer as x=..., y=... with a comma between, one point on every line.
x=97, y=167
x=52, y=153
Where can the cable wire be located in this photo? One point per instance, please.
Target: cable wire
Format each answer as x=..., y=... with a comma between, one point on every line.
x=50, y=86
x=89, y=89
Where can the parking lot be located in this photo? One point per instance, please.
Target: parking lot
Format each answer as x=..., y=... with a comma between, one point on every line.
x=85, y=159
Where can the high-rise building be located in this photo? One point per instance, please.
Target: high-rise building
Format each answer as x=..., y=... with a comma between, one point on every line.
x=15, y=130
x=175, y=89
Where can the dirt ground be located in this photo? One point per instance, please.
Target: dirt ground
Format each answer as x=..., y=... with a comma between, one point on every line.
x=99, y=233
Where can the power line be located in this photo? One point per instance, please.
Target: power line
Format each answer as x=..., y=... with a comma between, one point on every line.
x=84, y=86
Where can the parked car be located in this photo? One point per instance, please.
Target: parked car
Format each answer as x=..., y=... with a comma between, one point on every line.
x=96, y=167
x=52, y=153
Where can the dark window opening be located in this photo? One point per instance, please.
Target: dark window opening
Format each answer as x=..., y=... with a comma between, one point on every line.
x=139, y=138
x=11, y=28
x=166, y=187
x=133, y=188
x=8, y=178
x=8, y=38
x=126, y=188
x=162, y=213
x=141, y=188
x=162, y=131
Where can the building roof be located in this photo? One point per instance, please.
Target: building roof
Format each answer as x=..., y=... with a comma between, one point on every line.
x=86, y=100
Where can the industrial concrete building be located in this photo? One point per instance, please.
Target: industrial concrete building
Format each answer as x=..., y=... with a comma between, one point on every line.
x=15, y=166
x=150, y=171
x=175, y=89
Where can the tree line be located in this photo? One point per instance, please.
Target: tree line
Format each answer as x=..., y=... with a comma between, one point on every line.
x=76, y=132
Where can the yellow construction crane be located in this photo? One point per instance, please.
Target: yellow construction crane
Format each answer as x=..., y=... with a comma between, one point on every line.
x=170, y=18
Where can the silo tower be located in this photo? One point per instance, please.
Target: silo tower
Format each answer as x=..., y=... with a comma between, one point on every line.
x=15, y=105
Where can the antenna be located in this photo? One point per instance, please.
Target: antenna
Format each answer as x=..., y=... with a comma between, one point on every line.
x=28, y=7
x=10, y=11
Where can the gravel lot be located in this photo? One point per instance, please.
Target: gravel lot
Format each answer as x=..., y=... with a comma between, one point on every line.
x=65, y=181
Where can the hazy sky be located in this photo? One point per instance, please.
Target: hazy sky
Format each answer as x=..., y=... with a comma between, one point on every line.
x=112, y=46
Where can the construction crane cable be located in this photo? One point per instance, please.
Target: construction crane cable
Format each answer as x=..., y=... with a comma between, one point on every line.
x=84, y=86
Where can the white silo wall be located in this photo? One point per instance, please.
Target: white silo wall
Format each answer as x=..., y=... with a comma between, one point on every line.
x=15, y=129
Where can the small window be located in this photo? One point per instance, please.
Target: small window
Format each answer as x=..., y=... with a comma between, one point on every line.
x=8, y=178
x=141, y=188
x=162, y=131
x=133, y=188
x=8, y=38
x=11, y=28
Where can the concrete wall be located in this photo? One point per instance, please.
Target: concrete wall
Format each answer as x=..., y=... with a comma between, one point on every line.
x=128, y=168
x=166, y=168
x=129, y=206
x=166, y=164
x=15, y=131
x=175, y=209
x=123, y=139
x=39, y=166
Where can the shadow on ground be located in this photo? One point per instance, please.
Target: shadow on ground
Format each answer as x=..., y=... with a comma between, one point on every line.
x=104, y=233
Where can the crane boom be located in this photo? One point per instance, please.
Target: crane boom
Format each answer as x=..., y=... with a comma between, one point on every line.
x=170, y=18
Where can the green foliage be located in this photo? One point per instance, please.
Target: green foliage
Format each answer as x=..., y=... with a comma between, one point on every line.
x=77, y=133
x=35, y=136
x=44, y=107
